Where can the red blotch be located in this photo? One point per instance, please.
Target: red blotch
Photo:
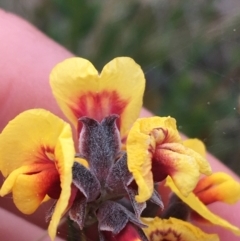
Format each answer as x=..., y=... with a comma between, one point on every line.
x=161, y=167
x=160, y=171
x=49, y=181
x=99, y=106
x=54, y=188
x=43, y=154
x=45, y=171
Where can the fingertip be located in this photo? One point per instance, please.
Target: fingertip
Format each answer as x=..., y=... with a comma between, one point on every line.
x=27, y=57
x=145, y=113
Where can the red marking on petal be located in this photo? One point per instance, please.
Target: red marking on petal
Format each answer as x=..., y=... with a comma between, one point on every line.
x=161, y=167
x=99, y=105
x=159, y=171
x=45, y=154
x=47, y=178
x=163, y=234
x=45, y=170
x=54, y=188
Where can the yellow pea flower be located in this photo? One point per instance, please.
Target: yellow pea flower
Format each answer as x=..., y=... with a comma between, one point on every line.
x=36, y=148
x=155, y=150
x=36, y=157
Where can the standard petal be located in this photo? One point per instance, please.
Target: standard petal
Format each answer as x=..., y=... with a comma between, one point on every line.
x=81, y=91
x=126, y=77
x=70, y=81
x=37, y=137
x=175, y=229
x=195, y=204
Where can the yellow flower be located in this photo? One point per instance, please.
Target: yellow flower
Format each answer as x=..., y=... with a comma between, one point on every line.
x=199, y=207
x=155, y=150
x=37, y=149
x=36, y=156
x=81, y=91
x=173, y=229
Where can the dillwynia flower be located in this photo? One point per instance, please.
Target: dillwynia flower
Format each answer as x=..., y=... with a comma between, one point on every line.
x=36, y=156
x=217, y=187
x=155, y=150
x=109, y=179
x=44, y=164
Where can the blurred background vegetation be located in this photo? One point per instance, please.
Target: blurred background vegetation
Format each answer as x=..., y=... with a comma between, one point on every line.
x=189, y=51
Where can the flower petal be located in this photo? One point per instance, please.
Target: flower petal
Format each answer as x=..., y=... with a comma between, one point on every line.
x=195, y=204
x=197, y=154
x=155, y=150
x=31, y=143
x=81, y=91
x=64, y=154
x=30, y=138
x=173, y=159
x=70, y=81
x=139, y=158
x=173, y=229
x=139, y=161
x=196, y=145
x=82, y=161
x=29, y=186
x=218, y=187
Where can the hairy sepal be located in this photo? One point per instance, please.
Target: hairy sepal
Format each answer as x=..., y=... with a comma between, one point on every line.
x=99, y=144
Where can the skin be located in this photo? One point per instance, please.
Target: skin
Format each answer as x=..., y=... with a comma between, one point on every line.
x=27, y=57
